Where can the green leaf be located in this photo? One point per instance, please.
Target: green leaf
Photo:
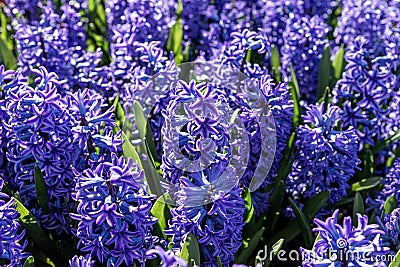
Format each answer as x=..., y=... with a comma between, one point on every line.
x=304, y=225
x=160, y=210
x=119, y=112
x=396, y=260
x=368, y=162
x=343, y=202
x=6, y=56
x=175, y=37
x=130, y=151
x=42, y=241
x=295, y=92
x=324, y=72
x=41, y=190
x=29, y=262
x=276, y=201
x=251, y=246
x=219, y=261
x=152, y=177
x=190, y=251
x=390, y=204
x=358, y=206
x=275, y=249
x=338, y=65
x=249, y=217
x=366, y=184
x=310, y=209
x=276, y=63
x=145, y=132
x=386, y=143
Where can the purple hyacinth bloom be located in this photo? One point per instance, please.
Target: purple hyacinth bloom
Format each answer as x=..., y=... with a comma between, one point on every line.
x=147, y=21
x=17, y=8
x=38, y=127
x=304, y=42
x=276, y=95
x=168, y=258
x=207, y=26
x=352, y=246
x=327, y=155
x=11, y=244
x=80, y=261
x=57, y=41
x=366, y=93
x=390, y=224
x=363, y=18
x=113, y=214
x=196, y=158
x=271, y=17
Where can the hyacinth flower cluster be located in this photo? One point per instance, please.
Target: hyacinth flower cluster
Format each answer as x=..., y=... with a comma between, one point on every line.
x=66, y=161
x=114, y=225
x=367, y=94
x=143, y=21
x=276, y=95
x=390, y=224
x=273, y=16
x=206, y=27
x=45, y=130
x=197, y=157
x=56, y=40
x=38, y=133
x=354, y=246
x=391, y=186
x=12, y=244
x=137, y=34
x=327, y=155
x=375, y=20
x=304, y=42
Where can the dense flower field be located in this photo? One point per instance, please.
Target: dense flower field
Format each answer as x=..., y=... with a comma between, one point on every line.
x=200, y=133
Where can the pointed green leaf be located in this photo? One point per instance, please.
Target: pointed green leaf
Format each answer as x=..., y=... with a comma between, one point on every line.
x=37, y=234
x=295, y=92
x=310, y=209
x=313, y=206
x=249, y=217
x=338, y=64
x=358, y=207
x=386, y=143
x=276, y=63
x=41, y=190
x=396, y=261
x=276, y=201
x=390, y=204
x=160, y=210
x=251, y=246
x=6, y=56
x=304, y=225
x=130, y=151
x=190, y=251
x=324, y=72
x=219, y=261
x=140, y=120
x=152, y=177
x=366, y=184
x=29, y=262
x=275, y=249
